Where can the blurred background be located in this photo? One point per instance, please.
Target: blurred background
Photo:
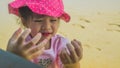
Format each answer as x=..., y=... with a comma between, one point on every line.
x=96, y=23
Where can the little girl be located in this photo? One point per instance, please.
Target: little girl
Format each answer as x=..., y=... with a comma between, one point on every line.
x=39, y=43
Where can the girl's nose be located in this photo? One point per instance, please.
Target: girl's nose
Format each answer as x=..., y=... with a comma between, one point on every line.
x=46, y=26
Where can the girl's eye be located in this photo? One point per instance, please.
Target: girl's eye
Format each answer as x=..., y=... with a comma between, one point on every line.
x=53, y=20
x=38, y=20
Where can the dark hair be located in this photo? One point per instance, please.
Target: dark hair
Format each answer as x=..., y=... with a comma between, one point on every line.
x=25, y=12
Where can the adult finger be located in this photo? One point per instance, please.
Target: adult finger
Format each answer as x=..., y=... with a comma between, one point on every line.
x=36, y=38
x=37, y=53
x=44, y=42
x=33, y=50
x=32, y=42
x=16, y=34
x=23, y=36
x=13, y=39
x=73, y=54
x=39, y=46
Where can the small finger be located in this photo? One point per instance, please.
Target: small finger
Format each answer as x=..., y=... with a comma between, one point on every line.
x=73, y=54
x=78, y=48
x=62, y=57
x=78, y=42
x=67, y=56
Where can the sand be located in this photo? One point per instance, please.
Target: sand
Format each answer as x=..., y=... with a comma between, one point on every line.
x=98, y=31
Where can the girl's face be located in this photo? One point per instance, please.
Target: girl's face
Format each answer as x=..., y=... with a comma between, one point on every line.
x=46, y=25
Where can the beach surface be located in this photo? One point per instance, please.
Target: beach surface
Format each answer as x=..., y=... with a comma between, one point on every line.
x=98, y=31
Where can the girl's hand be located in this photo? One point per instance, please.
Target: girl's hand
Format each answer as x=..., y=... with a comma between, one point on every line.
x=74, y=53
x=28, y=50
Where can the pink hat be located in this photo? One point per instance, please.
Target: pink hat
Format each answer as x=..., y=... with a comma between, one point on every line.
x=53, y=8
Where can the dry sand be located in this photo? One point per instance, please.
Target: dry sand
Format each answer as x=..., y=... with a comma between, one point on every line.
x=99, y=33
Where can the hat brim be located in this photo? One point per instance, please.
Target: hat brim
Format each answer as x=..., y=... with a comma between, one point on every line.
x=65, y=17
x=15, y=5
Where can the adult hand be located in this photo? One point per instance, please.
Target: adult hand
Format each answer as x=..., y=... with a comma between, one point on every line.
x=73, y=53
x=28, y=50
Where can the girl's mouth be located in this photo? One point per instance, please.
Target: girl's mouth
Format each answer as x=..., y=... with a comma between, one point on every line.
x=46, y=34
